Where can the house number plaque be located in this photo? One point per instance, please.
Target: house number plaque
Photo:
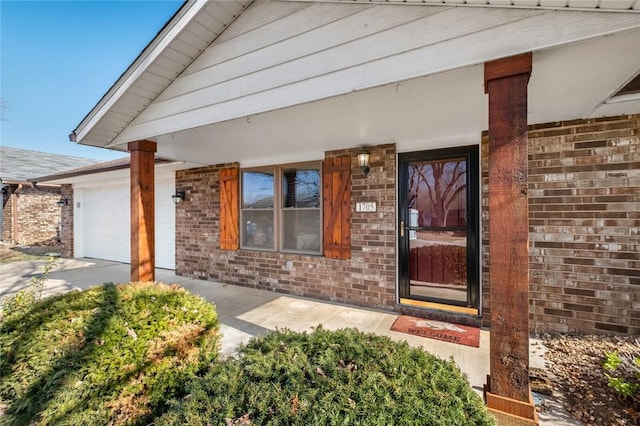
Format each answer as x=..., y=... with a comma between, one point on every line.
x=366, y=207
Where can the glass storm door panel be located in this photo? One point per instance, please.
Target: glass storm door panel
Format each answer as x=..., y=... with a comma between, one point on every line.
x=438, y=226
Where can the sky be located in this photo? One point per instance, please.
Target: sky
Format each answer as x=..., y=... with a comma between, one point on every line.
x=58, y=58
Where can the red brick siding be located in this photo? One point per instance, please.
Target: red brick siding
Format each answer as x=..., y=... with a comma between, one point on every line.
x=584, y=221
x=7, y=214
x=30, y=215
x=367, y=279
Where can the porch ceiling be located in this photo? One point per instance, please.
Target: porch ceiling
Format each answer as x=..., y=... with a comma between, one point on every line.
x=271, y=82
x=444, y=109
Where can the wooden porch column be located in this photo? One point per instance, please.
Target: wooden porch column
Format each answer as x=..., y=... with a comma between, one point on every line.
x=506, y=83
x=143, y=259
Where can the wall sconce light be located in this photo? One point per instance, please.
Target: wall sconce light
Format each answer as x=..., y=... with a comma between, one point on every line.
x=178, y=197
x=363, y=162
x=62, y=202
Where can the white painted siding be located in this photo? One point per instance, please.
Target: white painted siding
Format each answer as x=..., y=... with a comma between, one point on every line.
x=193, y=28
x=281, y=54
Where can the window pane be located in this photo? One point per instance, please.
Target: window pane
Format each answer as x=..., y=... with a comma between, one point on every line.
x=438, y=265
x=438, y=193
x=301, y=188
x=258, y=229
x=301, y=230
x=257, y=190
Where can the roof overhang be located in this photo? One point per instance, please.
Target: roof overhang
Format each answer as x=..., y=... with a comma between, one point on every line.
x=576, y=5
x=103, y=172
x=23, y=183
x=160, y=62
x=576, y=73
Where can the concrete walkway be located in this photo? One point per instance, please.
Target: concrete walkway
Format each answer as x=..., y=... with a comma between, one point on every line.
x=245, y=312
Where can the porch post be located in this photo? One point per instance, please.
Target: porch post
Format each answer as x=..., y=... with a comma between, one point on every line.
x=142, y=210
x=506, y=83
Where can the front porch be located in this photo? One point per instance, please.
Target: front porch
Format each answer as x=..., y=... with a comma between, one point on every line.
x=246, y=312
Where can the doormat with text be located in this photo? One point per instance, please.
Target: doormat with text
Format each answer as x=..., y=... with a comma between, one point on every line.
x=445, y=331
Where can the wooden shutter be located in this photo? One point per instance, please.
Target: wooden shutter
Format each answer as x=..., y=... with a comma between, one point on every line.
x=336, y=193
x=229, y=188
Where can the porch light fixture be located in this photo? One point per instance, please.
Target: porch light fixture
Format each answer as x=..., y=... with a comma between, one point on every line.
x=178, y=197
x=363, y=162
x=62, y=202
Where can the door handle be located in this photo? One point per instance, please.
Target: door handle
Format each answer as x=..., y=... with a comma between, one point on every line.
x=402, y=229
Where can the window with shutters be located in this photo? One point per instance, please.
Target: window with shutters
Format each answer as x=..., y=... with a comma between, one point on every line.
x=336, y=195
x=281, y=208
x=229, y=208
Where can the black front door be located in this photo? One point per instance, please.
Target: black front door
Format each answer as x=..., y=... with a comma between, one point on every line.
x=438, y=226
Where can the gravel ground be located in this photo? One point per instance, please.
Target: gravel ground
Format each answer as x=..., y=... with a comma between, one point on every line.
x=575, y=371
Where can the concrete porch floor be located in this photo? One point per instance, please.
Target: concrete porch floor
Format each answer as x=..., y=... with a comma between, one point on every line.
x=245, y=312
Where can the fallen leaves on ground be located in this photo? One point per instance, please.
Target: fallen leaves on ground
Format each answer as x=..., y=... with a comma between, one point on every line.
x=575, y=364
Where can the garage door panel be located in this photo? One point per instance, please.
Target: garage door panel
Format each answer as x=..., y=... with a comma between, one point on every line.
x=106, y=223
x=165, y=224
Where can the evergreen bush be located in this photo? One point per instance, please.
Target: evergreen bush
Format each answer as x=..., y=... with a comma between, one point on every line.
x=112, y=354
x=330, y=378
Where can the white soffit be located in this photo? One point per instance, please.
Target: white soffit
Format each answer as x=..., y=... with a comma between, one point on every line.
x=431, y=44
x=194, y=26
x=600, y=5
x=441, y=110
x=198, y=23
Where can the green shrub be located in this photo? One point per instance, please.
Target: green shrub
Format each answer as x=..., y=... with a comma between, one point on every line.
x=330, y=378
x=106, y=355
x=623, y=374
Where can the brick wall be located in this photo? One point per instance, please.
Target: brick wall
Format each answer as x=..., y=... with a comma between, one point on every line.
x=584, y=221
x=30, y=216
x=367, y=279
x=38, y=216
x=66, y=237
x=7, y=214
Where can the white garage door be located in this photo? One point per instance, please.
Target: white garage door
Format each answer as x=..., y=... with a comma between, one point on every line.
x=102, y=223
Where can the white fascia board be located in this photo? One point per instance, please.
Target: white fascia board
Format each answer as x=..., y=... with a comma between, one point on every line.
x=187, y=12
x=162, y=172
x=623, y=98
x=535, y=5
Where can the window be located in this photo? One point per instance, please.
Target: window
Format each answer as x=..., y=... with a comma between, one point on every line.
x=281, y=209
x=258, y=191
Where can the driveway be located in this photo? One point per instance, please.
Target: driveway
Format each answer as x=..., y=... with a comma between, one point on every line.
x=245, y=312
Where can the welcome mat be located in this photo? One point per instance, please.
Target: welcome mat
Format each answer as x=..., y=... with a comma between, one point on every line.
x=445, y=331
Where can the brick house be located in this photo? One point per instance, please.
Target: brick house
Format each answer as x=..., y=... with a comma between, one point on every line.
x=95, y=221
x=30, y=214
x=469, y=162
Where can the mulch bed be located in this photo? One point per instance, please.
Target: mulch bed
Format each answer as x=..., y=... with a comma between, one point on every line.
x=575, y=367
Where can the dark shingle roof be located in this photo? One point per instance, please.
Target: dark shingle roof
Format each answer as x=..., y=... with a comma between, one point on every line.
x=121, y=163
x=20, y=165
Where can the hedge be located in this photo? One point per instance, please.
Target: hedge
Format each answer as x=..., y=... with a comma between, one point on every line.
x=330, y=378
x=112, y=354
